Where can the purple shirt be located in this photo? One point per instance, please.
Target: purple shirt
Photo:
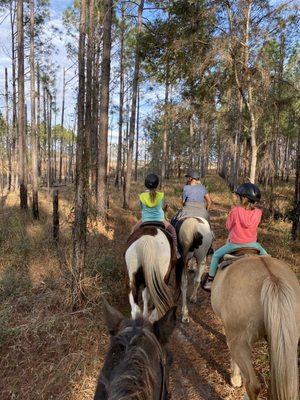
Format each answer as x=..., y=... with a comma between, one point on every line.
x=194, y=193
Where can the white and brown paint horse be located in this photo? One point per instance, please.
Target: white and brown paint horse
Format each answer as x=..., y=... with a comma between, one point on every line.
x=195, y=238
x=256, y=298
x=150, y=257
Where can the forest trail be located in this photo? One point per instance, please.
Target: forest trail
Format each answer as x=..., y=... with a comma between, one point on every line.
x=51, y=353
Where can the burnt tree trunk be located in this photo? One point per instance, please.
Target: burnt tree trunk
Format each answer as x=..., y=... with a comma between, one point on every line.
x=21, y=110
x=35, y=201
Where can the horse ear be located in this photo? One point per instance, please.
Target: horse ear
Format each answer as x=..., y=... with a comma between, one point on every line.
x=112, y=317
x=164, y=327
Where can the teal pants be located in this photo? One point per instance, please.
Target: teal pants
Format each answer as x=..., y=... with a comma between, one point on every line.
x=227, y=248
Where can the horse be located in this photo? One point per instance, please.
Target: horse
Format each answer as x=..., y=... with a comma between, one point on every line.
x=150, y=257
x=136, y=365
x=257, y=298
x=195, y=238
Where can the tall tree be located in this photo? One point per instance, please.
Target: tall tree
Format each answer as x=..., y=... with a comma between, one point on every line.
x=34, y=133
x=82, y=170
x=136, y=75
x=21, y=109
x=104, y=106
x=121, y=99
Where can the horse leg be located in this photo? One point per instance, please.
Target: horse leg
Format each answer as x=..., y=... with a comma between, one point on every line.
x=185, y=311
x=146, y=297
x=241, y=355
x=197, y=279
x=133, y=297
x=236, y=378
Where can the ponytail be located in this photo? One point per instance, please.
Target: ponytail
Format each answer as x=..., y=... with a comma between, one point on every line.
x=152, y=195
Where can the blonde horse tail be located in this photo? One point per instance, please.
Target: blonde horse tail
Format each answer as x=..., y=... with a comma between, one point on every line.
x=160, y=293
x=278, y=300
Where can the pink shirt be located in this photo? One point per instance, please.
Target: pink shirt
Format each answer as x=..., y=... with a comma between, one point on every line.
x=242, y=224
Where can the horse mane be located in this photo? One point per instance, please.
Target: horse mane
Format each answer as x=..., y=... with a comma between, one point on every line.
x=135, y=377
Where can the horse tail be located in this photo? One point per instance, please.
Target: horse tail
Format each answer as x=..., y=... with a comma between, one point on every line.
x=189, y=235
x=160, y=293
x=278, y=300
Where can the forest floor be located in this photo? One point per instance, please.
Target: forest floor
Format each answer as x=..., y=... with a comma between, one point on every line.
x=49, y=352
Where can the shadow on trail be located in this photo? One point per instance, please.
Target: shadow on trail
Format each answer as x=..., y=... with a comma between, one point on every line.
x=205, y=353
x=190, y=376
x=210, y=329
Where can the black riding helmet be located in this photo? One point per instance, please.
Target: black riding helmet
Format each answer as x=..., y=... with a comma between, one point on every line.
x=151, y=181
x=250, y=191
x=193, y=174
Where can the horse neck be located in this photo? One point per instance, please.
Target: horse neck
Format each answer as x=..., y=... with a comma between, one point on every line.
x=138, y=378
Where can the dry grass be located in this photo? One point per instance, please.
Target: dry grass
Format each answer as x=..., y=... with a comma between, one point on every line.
x=47, y=351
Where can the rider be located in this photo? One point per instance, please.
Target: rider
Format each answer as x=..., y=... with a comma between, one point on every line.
x=195, y=199
x=153, y=207
x=242, y=223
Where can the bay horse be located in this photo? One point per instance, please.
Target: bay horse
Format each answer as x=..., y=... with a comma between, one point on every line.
x=150, y=257
x=256, y=298
x=137, y=363
x=195, y=238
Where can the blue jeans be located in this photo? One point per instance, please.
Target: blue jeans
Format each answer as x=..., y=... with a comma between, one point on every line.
x=227, y=248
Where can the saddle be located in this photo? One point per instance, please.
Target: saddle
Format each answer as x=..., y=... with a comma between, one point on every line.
x=237, y=254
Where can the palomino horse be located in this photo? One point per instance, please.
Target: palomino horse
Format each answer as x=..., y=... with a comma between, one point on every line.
x=150, y=257
x=259, y=297
x=195, y=238
x=136, y=366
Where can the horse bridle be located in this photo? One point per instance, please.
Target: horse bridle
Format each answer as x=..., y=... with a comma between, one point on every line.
x=162, y=363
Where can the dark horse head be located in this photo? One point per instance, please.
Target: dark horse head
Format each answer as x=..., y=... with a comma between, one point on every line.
x=136, y=366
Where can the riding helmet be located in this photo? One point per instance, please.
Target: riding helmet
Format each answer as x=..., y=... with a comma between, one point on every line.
x=193, y=174
x=250, y=191
x=151, y=181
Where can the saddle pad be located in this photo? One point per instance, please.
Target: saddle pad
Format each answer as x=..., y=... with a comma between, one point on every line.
x=231, y=259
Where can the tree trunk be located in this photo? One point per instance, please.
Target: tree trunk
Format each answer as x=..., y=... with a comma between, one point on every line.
x=121, y=102
x=48, y=102
x=166, y=128
x=55, y=217
x=21, y=110
x=62, y=127
x=81, y=179
x=133, y=109
x=296, y=212
x=35, y=203
x=104, y=106
x=137, y=136
x=8, y=141
x=14, y=97
x=39, y=121
x=89, y=79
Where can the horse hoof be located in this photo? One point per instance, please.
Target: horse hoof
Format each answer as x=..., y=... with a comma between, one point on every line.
x=185, y=319
x=193, y=299
x=236, y=381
